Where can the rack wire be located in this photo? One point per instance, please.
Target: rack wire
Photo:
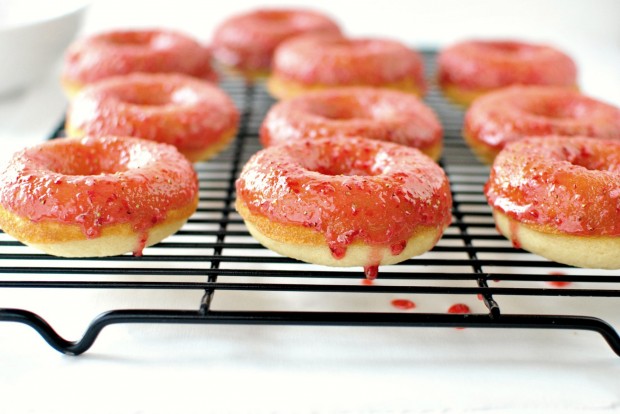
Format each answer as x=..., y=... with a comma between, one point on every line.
x=214, y=257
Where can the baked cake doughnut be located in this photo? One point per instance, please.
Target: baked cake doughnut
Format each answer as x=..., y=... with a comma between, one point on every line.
x=510, y=114
x=473, y=68
x=96, y=196
x=344, y=201
x=559, y=197
x=116, y=53
x=313, y=62
x=195, y=116
x=246, y=42
x=376, y=113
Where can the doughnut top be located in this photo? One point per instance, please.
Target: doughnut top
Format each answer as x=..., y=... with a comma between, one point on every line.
x=348, y=189
x=95, y=182
x=565, y=184
x=341, y=61
x=175, y=109
x=491, y=64
x=122, y=52
x=247, y=41
x=512, y=113
x=376, y=113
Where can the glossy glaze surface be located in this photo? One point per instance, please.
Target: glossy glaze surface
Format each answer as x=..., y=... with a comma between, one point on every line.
x=485, y=65
x=98, y=182
x=333, y=60
x=247, y=41
x=122, y=52
x=349, y=190
x=564, y=184
x=373, y=113
x=512, y=113
x=188, y=113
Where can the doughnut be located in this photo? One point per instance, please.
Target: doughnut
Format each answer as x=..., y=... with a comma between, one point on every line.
x=376, y=113
x=559, y=197
x=246, y=42
x=473, y=68
x=95, y=197
x=512, y=113
x=323, y=61
x=344, y=201
x=193, y=115
x=115, y=53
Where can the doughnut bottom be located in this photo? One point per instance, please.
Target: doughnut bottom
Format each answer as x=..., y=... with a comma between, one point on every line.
x=68, y=240
x=213, y=149
x=202, y=154
x=309, y=246
x=484, y=153
x=252, y=75
x=466, y=97
x=597, y=252
x=70, y=88
x=434, y=152
x=461, y=96
x=281, y=88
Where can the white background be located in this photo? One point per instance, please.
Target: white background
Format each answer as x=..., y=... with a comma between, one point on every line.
x=147, y=369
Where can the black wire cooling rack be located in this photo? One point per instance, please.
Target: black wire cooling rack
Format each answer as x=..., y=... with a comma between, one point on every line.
x=214, y=255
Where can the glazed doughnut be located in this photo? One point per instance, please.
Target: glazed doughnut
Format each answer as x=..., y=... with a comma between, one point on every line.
x=559, y=197
x=116, y=53
x=510, y=114
x=344, y=201
x=96, y=196
x=473, y=68
x=314, y=62
x=246, y=42
x=193, y=115
x=382, y=114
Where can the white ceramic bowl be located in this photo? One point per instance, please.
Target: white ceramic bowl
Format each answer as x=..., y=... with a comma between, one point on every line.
x=33, y=37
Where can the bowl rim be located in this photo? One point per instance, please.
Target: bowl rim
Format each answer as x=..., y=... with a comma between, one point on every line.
x=70, y=9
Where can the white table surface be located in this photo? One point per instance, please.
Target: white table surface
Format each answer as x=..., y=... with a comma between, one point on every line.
x=276, y=369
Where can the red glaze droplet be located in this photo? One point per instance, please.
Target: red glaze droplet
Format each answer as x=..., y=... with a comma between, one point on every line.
x=367, y=282
x=398, y=247
x=338, y=251
x=403, y=304
x=459, y=308
x=371, y=272
x=558, y=283
x=141, y=244
x=514, y=234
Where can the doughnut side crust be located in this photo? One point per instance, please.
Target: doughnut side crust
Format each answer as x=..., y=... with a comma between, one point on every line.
x=484, y=153
x=66, y=240
x=310, y=246
x=282, y=88
x=461, y=96
x=201, y=154
x=597, y=252
x=213, y=149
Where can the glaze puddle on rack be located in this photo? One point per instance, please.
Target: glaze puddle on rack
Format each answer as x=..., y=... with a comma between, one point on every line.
x=223, y=276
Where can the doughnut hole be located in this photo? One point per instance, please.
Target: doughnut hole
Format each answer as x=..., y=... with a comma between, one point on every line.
x=79, y=160
x=508, y=49
x=342, y=109
x=137, y=40
x=560, y=108
x=592, y=159
x=153, y=94
x=274, y=16
x=339, y=160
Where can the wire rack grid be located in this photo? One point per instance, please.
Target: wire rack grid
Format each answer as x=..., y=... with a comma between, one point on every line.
x=223, y=276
